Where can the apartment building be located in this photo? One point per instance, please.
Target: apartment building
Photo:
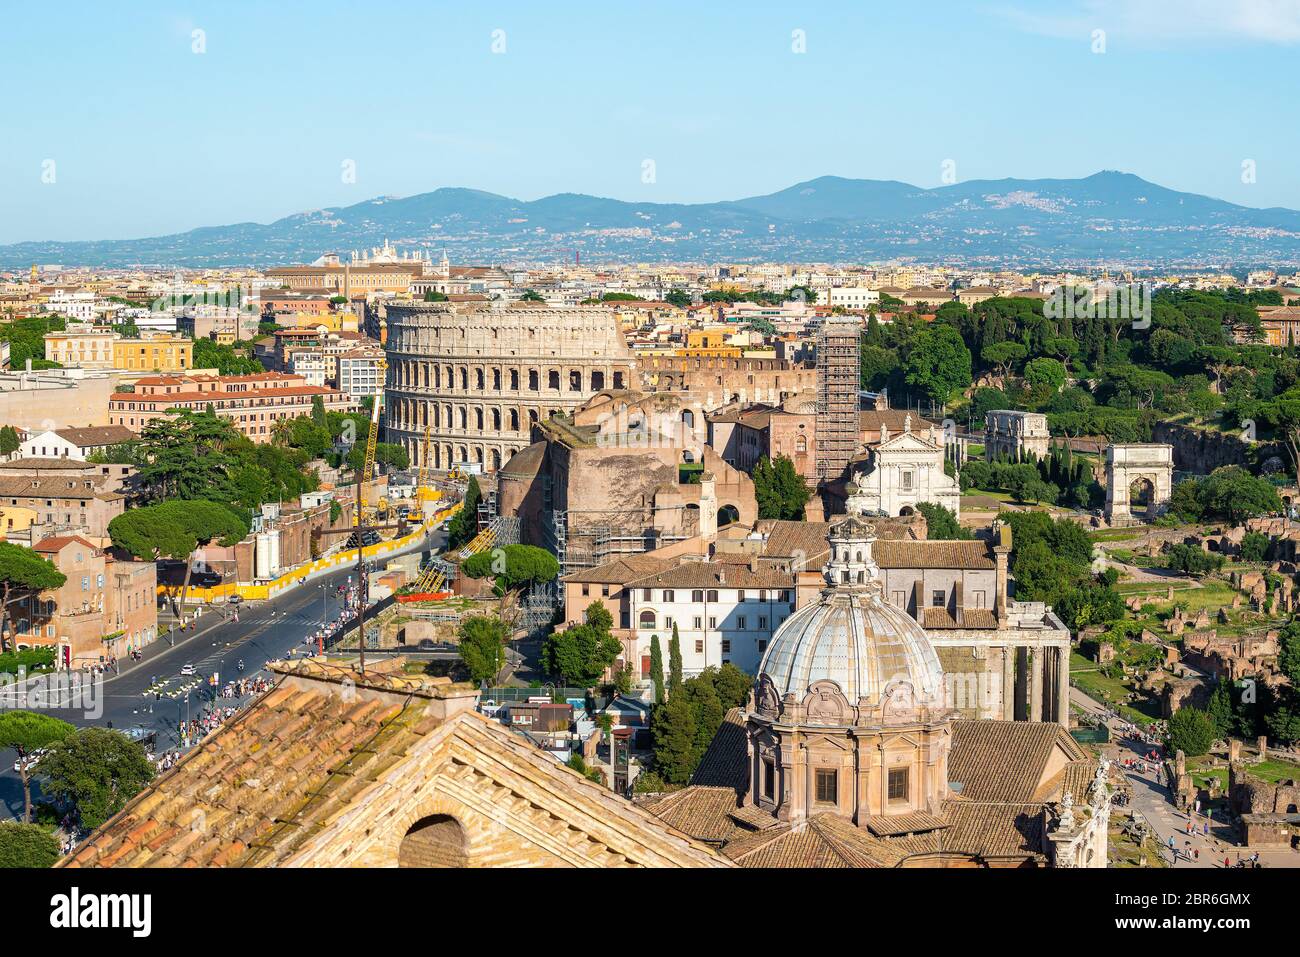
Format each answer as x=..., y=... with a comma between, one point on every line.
x=361, y=372
x=106, y=608
x=252, y=403
x=95, y=348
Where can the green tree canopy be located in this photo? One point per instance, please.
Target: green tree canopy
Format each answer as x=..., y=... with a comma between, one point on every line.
x=1191, y=731
x=26, y=845
x=580, y=654
x=779, y=489
x=27, y=732
x=483, y=646
x=96, y=771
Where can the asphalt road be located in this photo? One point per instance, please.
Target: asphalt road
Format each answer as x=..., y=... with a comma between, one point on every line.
x=266, y=631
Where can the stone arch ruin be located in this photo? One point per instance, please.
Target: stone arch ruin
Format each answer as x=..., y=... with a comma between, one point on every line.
x=1149, y=467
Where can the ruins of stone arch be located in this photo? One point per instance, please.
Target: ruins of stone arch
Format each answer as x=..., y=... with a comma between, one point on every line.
x=1139, y=479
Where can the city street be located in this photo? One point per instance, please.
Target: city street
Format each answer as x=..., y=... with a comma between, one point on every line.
x=266, y=631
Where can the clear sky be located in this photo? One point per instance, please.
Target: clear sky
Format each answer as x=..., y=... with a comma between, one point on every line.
x=148, y=137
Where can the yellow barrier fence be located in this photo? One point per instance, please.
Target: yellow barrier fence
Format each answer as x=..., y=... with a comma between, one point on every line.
x=290, y=578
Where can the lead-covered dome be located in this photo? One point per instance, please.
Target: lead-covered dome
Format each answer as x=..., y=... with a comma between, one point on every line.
x=877, y=655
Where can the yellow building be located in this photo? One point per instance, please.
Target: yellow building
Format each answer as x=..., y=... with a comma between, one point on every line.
x=87, y=349
x=105, y=349
x=709, y=342
x=158, y=353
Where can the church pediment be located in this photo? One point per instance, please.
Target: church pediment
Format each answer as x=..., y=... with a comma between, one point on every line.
x=908, y=442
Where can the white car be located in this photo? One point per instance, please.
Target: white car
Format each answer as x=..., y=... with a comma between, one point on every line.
x=188, y=670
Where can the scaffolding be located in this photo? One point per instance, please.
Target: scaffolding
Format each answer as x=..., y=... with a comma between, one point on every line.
x=598, y=539
x=838, y=376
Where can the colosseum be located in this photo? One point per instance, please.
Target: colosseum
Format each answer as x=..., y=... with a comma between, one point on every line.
x=478, y=375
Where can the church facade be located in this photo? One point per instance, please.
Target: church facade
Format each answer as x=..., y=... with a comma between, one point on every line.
x=904, y=470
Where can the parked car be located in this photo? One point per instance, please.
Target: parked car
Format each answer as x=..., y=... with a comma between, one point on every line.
x=236, y=599
x=188, y=669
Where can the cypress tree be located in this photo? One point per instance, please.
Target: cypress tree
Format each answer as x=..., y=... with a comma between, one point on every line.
x=657, y=668
x=674, y=662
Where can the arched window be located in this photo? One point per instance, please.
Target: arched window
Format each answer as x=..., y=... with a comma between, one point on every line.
x=688, y=418
x=575, y=381
x=553, y=380
x=496, y=420
x=646, y=619
x=532, y=380
x=800, y=444
x=478, y=379
x=514, y=420
x=597, y=381
x=514, y=380
x=478, y=419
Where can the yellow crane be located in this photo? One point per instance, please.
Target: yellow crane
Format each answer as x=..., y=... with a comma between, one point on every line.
x=432, y=579
x=372, y=442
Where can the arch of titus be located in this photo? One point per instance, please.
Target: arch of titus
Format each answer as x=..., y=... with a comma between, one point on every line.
x=479, y=375
x=1127, y=465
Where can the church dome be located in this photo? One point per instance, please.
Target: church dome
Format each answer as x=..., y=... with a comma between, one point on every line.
x=877, y=654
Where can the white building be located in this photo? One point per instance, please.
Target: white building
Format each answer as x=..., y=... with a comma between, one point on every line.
x=78, y=306
x=75, y=444
x=312, y=366
x=361, y=373
x=848, y=297
x=723, y=612
x=905, y=470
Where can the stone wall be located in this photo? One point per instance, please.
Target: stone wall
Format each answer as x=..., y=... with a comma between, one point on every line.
x=1202, y=451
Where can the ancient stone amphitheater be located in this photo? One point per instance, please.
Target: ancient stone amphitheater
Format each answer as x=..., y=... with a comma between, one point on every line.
x=478, y=375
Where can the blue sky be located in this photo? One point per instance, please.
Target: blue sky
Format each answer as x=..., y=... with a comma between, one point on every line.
x=148, y=137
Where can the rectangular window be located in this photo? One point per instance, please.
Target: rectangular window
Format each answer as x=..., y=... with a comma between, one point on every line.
x=937, y=598
x=668, y=594
x=979, y=599
x=699, y=646
x=769, y=779
x=713, y=622
x=762, y=622
x=726, y=646
x=740, y=622
x=898, y=780
x=646, y=594
x=827, y=785
x=762, y=645
x=699, y=622
x=907, y=481
x=586, y=590
x=740, y=595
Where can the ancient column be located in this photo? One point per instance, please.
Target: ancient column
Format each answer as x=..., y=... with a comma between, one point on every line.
x=1037, y=664
x=1063, y=685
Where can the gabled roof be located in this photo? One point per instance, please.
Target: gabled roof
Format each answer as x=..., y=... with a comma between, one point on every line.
x=620, y=571
x=979, y=761
x=331, y=768
x=970, y=554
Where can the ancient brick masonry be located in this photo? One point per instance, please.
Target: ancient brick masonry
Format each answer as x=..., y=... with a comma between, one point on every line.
x=479, y=376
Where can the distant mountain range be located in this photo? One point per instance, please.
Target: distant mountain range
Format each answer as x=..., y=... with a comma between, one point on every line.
x=1108, y=218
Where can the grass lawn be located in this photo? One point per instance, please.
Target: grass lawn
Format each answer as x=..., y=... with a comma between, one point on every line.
x=1275, y=771
x=1084, y=674
x=1115, y=534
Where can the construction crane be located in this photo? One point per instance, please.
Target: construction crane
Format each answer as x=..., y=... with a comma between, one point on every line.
x=372, y=443
x=432, y=578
